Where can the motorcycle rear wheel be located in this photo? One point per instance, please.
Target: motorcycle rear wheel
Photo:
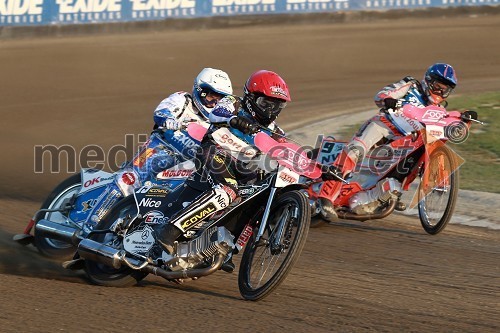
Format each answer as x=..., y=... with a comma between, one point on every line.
x=53, y=248
x=101, y=274
x=437, y=198
x=264, y=266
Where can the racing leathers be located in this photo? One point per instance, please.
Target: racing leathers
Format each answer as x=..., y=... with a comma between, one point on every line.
x=163, y=149
x=387, y=123
x=222, y=163
x=171, y=145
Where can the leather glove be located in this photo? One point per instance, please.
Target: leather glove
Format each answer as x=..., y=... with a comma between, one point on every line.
x=243, y=124
x=331, y=172
x=171, y=124
x=313, y=154
x=391, y=103
x=469, y=115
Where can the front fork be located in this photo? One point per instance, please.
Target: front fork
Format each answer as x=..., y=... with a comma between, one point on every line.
x=247, y=232
x=440, y=177
x=265, y=217
x=276, y=245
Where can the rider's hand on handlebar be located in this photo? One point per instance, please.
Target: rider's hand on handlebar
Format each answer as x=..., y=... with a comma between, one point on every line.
x=391, y=103
x=172, y=124
x=331, y=172
x=469, y=115
x=243, y=124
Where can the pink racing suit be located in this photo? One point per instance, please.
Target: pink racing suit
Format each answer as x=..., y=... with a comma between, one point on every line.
x=375, y=130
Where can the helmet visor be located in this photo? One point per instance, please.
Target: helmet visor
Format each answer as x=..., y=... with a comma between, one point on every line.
x=209, y=98
x=439, y=88
x=272, y=106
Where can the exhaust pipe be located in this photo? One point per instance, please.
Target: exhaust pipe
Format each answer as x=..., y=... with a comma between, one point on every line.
x=52, y=230
x=95, y=251
x=92, y=250
x=365, y=217
x=192, y=273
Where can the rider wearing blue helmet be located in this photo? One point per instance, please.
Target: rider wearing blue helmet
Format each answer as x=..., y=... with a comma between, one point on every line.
x=439, y=81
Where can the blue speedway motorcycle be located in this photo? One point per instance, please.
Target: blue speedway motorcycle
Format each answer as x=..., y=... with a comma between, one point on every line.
x=77, y=204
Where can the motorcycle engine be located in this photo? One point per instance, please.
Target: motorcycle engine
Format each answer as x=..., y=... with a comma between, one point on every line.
x=367, y=202
x=192, y=253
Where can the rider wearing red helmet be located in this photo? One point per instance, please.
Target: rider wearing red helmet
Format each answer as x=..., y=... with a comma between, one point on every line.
x=265, y=96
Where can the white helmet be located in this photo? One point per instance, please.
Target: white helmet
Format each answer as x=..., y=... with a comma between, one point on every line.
x=209, y=87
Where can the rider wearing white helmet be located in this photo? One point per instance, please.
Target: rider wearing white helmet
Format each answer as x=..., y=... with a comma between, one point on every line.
x=173, y=145
x=209, y=87
x=170, y=145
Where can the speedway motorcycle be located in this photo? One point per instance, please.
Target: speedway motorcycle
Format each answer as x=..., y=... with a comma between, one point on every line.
x=373, y=190
x=270, y=220
x=77, y=204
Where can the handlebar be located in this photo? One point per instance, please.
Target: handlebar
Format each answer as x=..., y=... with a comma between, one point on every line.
x=330, y=172
x=470, y=115
x=184, y=124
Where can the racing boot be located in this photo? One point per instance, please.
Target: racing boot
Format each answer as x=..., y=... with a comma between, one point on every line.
x=326, y=207
x=400, y=206
x=193, y=215
x=228, y=266
x=332, y=184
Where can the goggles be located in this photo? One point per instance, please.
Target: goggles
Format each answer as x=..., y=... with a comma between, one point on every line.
x=439, y=88
x=271, y=105
x=210, y=97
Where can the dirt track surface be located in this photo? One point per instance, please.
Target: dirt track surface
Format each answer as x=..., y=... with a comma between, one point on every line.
x=374, y=276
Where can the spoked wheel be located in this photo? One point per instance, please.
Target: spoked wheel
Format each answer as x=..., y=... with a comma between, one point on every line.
x=438, y=191
x=266, y=263
x=51, y=247
x=105, y=275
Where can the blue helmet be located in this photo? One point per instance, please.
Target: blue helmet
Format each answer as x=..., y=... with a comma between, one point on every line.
x=209, y=87
x=439, y=81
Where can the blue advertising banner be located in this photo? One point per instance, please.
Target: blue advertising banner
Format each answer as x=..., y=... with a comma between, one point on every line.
x=49, y=12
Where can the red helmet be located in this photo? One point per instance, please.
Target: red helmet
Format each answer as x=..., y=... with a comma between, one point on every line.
x=266, y=94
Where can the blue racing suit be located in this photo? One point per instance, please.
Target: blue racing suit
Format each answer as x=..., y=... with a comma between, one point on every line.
x=166, y=148
x=163, y=150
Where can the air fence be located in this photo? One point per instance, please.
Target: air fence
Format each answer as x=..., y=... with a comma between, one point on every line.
x=18, y=13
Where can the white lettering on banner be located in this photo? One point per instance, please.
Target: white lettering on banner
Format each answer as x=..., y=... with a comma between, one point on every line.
x=88, y=6
x=17, y=7
x=300, y=5
x=162, y=13
x=162, y=4
x=242, y=2
x=9, y=19
x=82, y=17
x=307, y=1
x=242, y=6
x=401, y=3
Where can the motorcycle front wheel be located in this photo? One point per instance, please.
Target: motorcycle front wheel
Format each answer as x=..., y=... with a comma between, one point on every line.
x=101, y=274
x=266, y=263
x=53, y=248
x=438, y=190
